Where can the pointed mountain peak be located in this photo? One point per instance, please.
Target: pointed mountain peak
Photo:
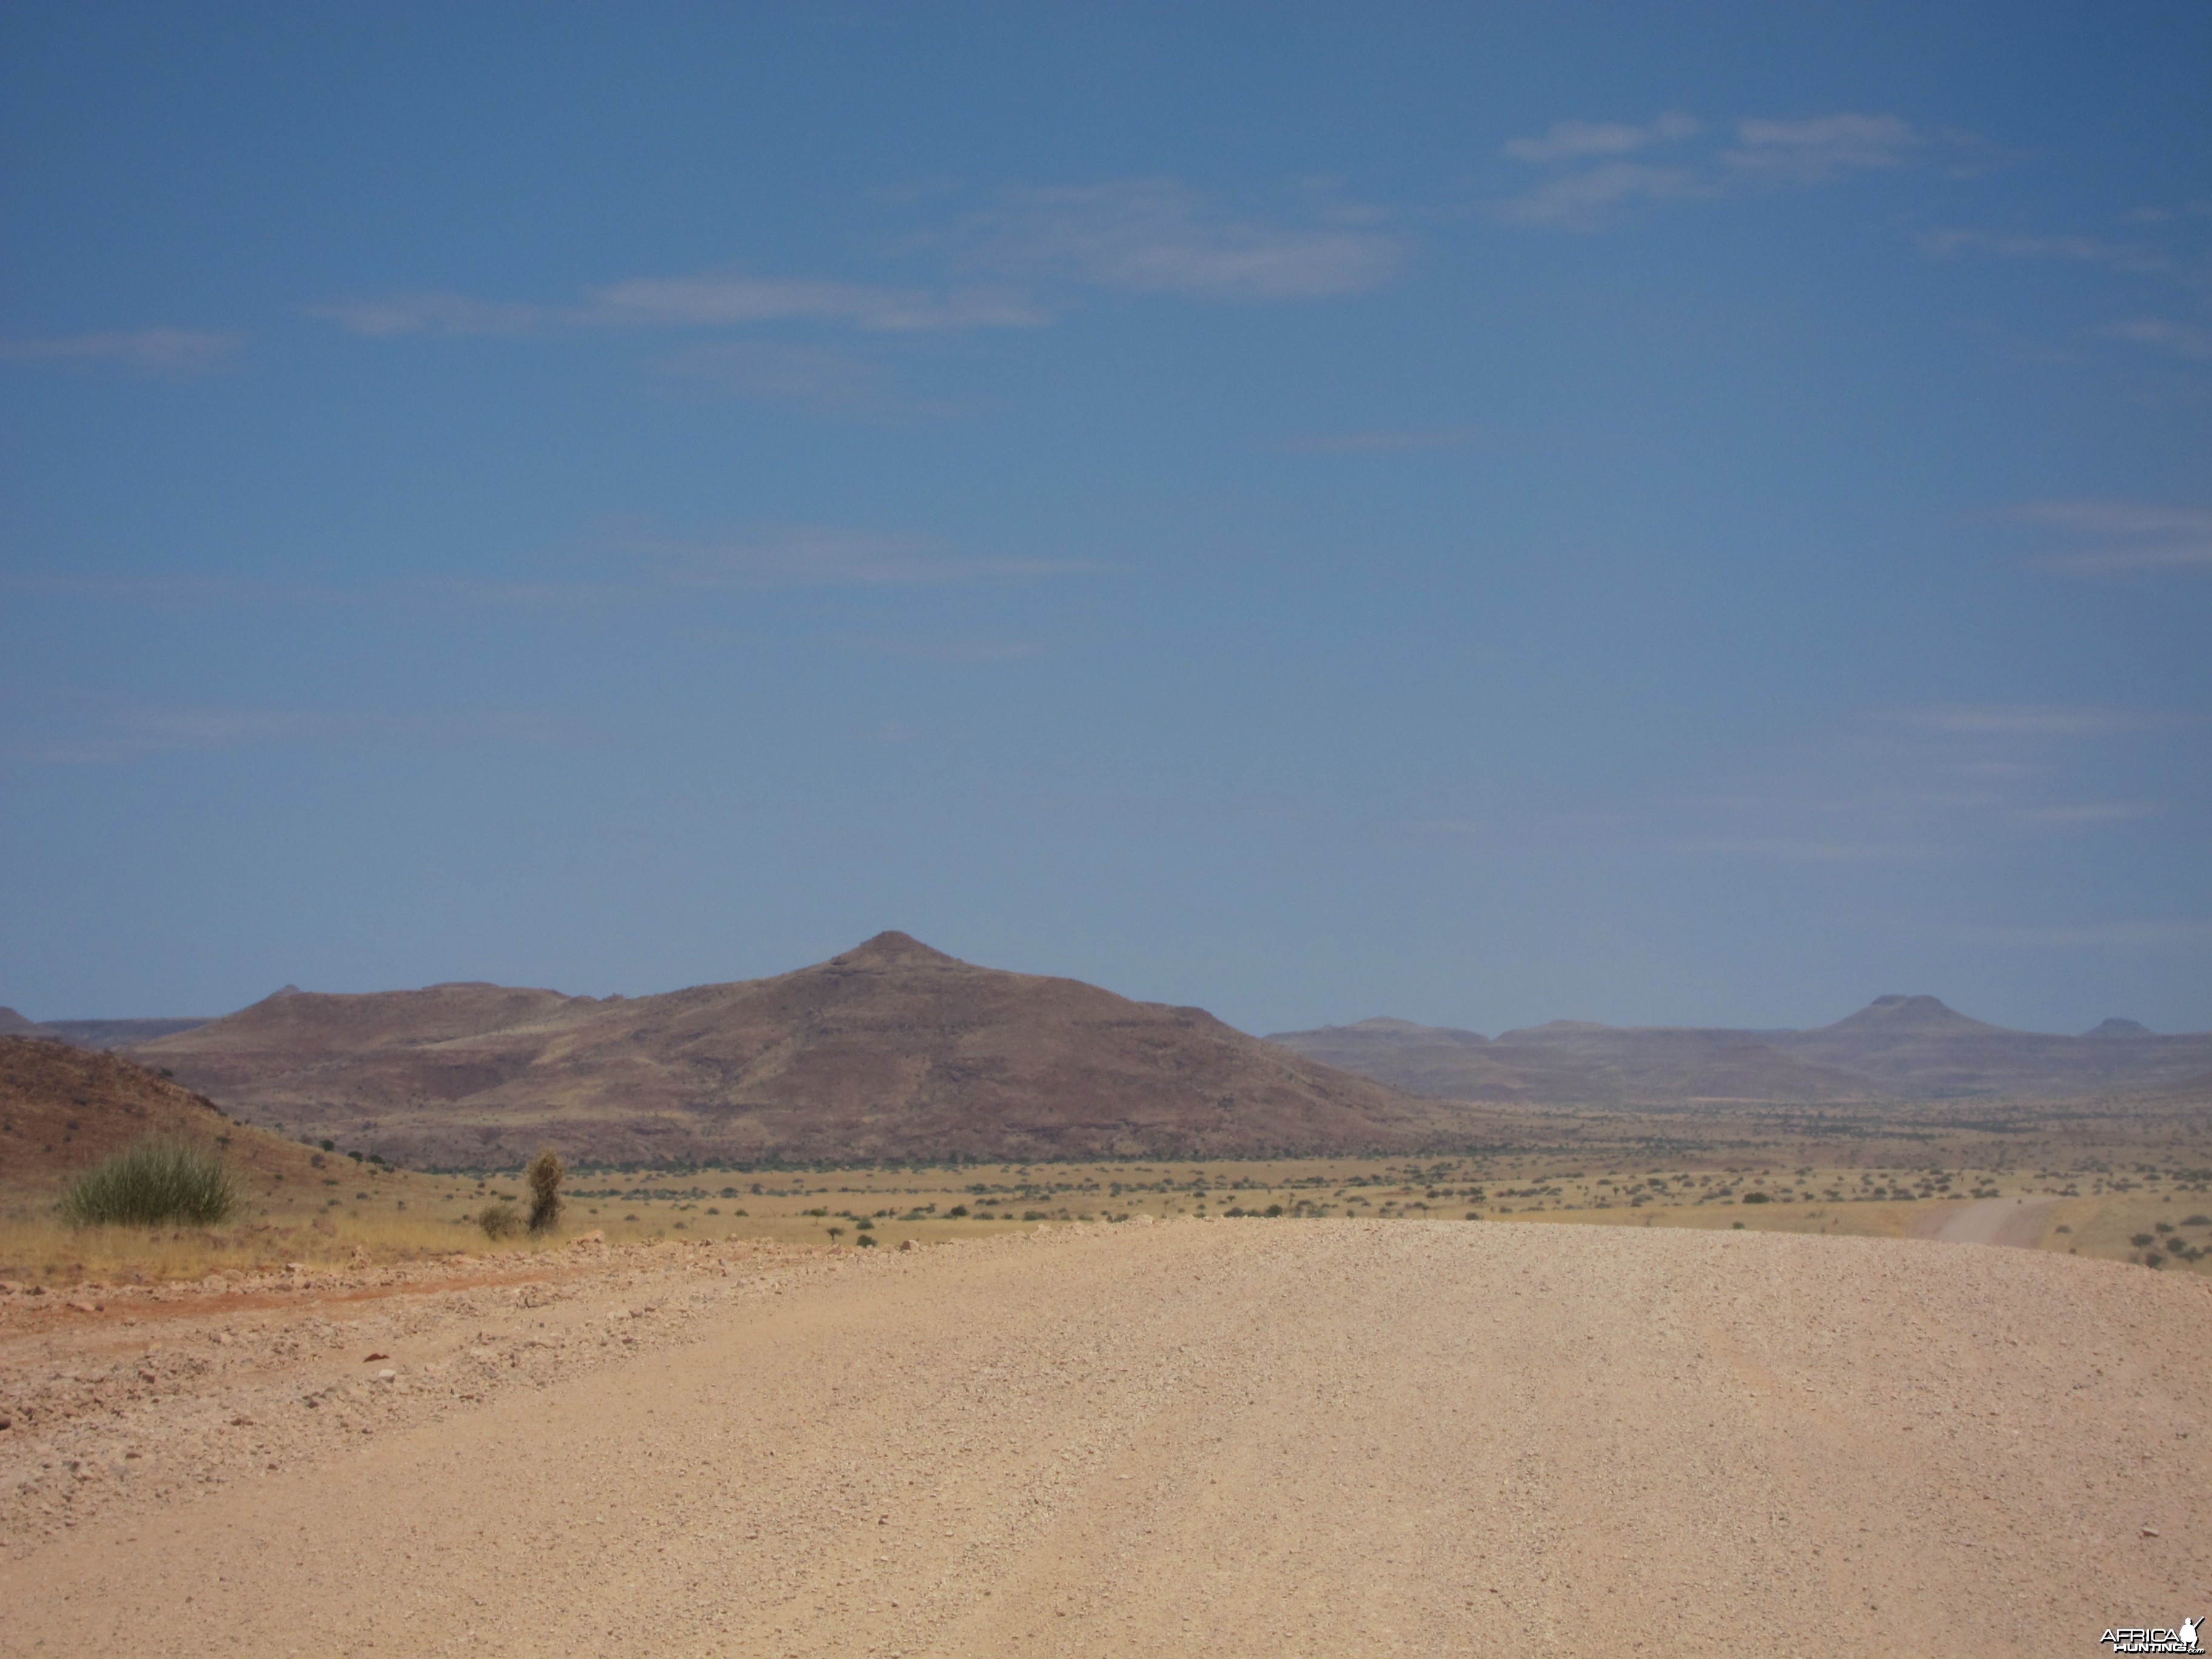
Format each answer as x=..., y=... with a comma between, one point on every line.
x=2122, y=1029
x=284, y=991
x=13, y=1024
x=894, y=950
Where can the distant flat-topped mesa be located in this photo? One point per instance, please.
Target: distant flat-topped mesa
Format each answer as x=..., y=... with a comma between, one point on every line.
x=892, y=1050
x=1898, y=1047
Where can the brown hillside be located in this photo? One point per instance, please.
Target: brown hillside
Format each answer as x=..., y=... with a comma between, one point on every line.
x=890, y=1051
x=61, y=1108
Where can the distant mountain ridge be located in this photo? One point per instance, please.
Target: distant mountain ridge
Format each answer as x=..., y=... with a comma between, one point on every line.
x=1898, y=1047
x=93, y=1033
x=889, y=1051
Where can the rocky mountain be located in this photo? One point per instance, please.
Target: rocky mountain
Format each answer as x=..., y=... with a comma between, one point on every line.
x=890, y=1051
x=1896, y=1048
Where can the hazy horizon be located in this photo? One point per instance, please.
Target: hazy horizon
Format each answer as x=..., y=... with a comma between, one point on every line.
x=1261, y=1029
x=1693, y=515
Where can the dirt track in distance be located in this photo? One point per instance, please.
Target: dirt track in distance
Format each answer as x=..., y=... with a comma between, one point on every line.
x=1320, y=1438
x=2010, y=1221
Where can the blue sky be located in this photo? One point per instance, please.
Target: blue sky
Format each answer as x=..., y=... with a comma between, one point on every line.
x=1659, y=514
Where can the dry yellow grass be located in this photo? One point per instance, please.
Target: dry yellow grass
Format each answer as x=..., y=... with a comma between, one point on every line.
x=355, y=1210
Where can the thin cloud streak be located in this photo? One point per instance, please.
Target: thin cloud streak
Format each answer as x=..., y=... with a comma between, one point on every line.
x=960, y=652
x=2140, y=536
x=823, y=381
x=1804, y=151
x=2143, y=935
x=1568, y=141
x=1147, y=236
x=2082, y=250
x=699, y=301
x=1592, y=177
x=2078, y=813
x=176, y=351
x=141, y=733
x=1381, y=443
x=654, y=572
x=1155, y=236
x=2163, y=334
x=804, y=557
x=2003, y=721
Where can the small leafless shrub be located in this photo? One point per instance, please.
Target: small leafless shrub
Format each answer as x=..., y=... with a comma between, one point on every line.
x=545, y=1172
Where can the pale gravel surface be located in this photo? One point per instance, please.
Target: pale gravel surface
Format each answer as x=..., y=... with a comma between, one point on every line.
x=1331, y=1437
x=2017, y=1222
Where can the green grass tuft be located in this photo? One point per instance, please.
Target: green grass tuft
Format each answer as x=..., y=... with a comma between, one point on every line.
x=154, y=1182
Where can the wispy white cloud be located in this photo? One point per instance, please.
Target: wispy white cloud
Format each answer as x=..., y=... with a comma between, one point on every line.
x=1592, y=176
x=1790, y=849
x=136, y=733
x=2132, y=535
x=2079, y=815
x=2089, y=812
x=1379, y=443
x=2116, y=517
x=1158, y=236
x=712, y=301
x=716, y=302
x=2154, y=934
x=1580, y=200
x=807, y=557
x=1952, y=781
x=148, y=350
x=432, y=314
x=2024, y=720
x=1801, y=152
x=178, y=591
x=2080, y=250
x=965, y=651
x=631, y=572
x=2163, y=334
x=826, y=381
x=1569, y=140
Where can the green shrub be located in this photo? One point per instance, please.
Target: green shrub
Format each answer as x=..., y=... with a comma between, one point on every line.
x=499, y=1220
x=154, y=1182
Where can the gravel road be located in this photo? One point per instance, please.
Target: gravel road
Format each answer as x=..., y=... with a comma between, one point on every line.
x=2018, y=1222
x=1217, y=1439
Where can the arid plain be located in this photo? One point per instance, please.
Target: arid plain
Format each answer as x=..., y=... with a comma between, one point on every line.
x=1688, y=1375
x=1233, y=1436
